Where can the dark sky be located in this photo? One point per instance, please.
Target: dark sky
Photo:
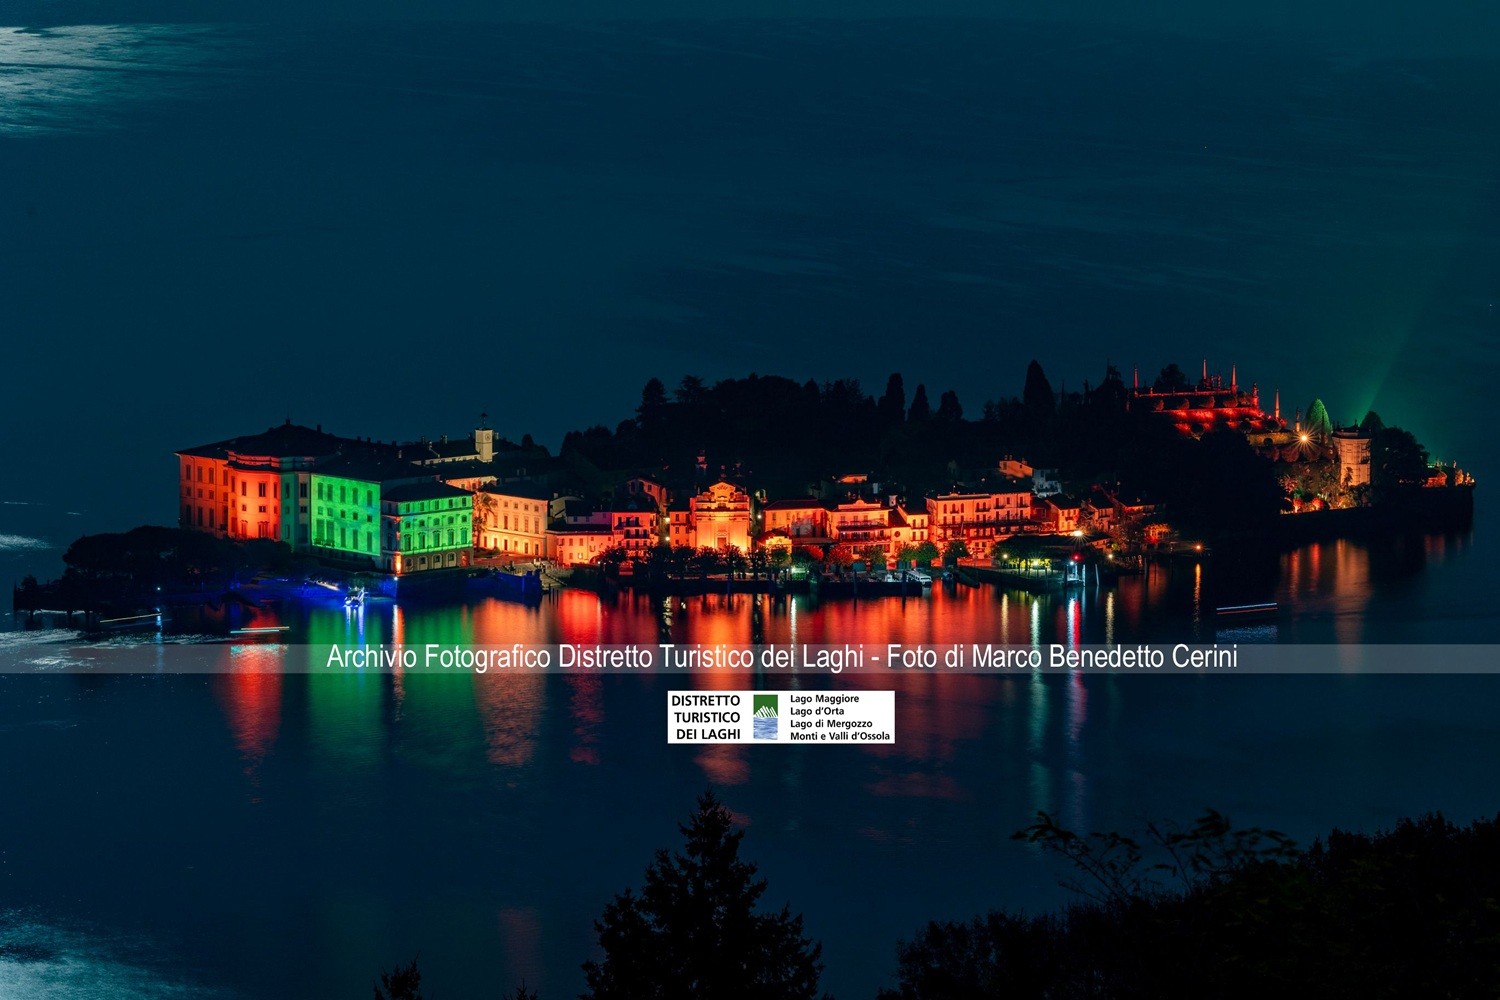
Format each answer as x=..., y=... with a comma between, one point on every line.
x=387, y=228
x=1441, y=27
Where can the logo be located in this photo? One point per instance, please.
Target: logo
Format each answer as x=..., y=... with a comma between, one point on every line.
x=766, y=707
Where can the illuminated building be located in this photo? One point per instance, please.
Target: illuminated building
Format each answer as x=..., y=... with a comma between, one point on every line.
x=635, y=525
x=719, y=518
x=576, y=544
x=639, y=485
x=511, y=520
x=979, y=518
x=1351, y=446
x=1059, y=515
x=908, y=527
x=426, y=526
x=801, y=519
x=1208, y=406
x=346, y=493
x=860, y=523
x=680, y=526
x=323, y=492
x=254, y=486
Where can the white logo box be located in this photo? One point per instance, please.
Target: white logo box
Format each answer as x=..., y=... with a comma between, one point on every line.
x=812, y=717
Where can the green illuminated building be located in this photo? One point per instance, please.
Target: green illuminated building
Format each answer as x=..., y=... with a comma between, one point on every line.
x=426, y=526
x=381, y=511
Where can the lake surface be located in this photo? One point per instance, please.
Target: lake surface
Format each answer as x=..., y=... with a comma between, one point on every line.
x=266, y=835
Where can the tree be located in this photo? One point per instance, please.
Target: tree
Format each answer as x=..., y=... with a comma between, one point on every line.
x=873, y=555
x=760, y=562
x=949, y=410
x=653, y=404
x=695, y=929
x=691, y=391
x=920, y=408
x=1037, y=395
x=404, y=982
x=1171, y=379
x=522, y=993
x=1397, y=459
x=706, y=561
x=954, y=551
x=892, y=405
x=925, y=552
x=1317, y=425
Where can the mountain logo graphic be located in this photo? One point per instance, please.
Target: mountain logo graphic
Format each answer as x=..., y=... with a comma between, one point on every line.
x=767, y=708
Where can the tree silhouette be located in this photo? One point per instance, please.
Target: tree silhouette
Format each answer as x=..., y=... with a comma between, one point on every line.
x=1036, y=396
x=404, y=982
x=949, y=410
x=920, y=408
x=1397, y=459
x=1171, y=379
x=892, y=405
x=694, y=930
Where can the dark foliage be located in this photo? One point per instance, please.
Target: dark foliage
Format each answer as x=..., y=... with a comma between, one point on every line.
x=404, y=982
x=1213, y=911
x=694, y=929
x=1397, y=461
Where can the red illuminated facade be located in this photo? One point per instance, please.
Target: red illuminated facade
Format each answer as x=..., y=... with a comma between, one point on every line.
x=1209, y=406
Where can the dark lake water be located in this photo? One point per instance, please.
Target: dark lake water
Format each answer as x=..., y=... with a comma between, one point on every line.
x=269, y=835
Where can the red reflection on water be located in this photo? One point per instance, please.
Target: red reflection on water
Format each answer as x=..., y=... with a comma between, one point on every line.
x=918, y=785
x=521, y=937
x=253, y=703
x=724, y=763
x=587, y=708
x=510, y=709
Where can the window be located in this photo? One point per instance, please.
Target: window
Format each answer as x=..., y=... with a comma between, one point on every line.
x=303, y=491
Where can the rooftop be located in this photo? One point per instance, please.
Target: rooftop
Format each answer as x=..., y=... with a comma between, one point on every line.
x=281, y=441
x=372, y=465
x=422, y=491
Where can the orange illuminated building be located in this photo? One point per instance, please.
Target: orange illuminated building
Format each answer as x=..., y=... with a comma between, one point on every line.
x=861, y=523
x=635, y=525
x=980, y=519
x=719, y=518
x=804, y=519
x=578, y=544
x=511, y=519
x=255, y=486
